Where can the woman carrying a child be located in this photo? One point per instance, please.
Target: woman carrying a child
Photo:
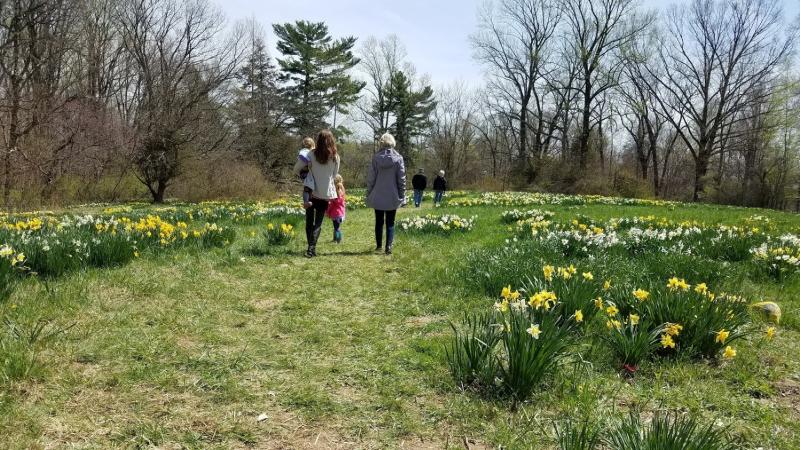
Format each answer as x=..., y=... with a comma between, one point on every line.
x=323, y=166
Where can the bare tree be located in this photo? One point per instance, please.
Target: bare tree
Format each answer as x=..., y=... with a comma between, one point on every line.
x=715, y=52
x=514, y=41
x=381, y=60
x=180, y=66
x=596, y=31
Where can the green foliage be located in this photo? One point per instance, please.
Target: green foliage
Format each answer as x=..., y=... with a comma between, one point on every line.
x=315, y=69
x=471, y=354
x=585, y=434
x=632, y=344
x=411, y=109
x=667, y=431
x=530, y=358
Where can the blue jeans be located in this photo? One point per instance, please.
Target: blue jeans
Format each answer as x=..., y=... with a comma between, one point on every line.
x=437, y=197
x=418, y=194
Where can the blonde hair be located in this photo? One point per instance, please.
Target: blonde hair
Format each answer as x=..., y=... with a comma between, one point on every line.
x=308, y=143
x=387, y=141
x=338, y=181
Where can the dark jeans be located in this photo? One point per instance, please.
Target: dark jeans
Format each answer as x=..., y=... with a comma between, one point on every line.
x=437, y=197
x=386, y=217
x=314, y=217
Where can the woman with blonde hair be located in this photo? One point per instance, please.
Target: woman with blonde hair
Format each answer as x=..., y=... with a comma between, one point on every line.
x=386, y=189
x=323, y=165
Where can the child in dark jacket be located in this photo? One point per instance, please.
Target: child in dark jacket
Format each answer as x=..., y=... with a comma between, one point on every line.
x=439, y=187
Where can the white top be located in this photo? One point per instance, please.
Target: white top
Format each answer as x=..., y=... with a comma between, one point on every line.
x=324, y=174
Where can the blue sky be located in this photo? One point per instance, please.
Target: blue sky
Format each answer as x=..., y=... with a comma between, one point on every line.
x=435, y=32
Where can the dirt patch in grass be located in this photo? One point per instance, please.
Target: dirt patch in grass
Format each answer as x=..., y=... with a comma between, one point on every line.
x=788, y=393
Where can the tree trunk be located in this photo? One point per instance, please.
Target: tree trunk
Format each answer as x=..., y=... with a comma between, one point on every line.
x=700, y=171
x=586, y=117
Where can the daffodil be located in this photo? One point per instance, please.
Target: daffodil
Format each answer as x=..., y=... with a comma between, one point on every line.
x=598, y=303
x=579, y=316
x=616, y=324
x=674, y=329
x=548, y=272
x=667, y=341
x=612, y=310
x=506, y=292
x=634, y=319
x=588, y=276
x=675, y=284
x=701, y=288
x=606, y=285
x=641, y=294
x=770, y=333
x=722, y=336
x=534, y=331
x=729, y=352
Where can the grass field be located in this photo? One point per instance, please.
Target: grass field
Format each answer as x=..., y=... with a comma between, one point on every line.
x=227, y=347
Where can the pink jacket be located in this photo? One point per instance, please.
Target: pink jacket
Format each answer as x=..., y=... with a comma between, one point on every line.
x=336, y=207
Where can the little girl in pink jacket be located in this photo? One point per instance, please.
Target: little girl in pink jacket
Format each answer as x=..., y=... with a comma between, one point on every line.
x=336, y=209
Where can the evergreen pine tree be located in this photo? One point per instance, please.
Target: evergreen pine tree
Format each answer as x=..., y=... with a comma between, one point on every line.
x=315, y=72
x=411, y=110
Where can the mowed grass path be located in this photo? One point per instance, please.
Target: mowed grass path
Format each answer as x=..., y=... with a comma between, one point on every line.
x=188, y=349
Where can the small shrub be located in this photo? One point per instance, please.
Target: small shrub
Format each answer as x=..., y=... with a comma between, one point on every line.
x=667, y=431
x=585, y=434
x=279, y=234
x=471, y=356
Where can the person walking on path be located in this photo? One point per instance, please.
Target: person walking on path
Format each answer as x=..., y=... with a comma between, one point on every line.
x=386, y=189
x=419, y=182
x=439, y=187
x=323, y=165
x=337, y=209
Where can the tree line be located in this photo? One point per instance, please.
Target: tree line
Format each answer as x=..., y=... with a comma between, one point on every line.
x=111, y=99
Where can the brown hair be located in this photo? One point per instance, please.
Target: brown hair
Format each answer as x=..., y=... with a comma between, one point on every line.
x=326, y=147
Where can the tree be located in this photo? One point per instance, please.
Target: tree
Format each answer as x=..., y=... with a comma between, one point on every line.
x=596, y=30
x=715, y=55
x=452, y=130
x=315, y=72
x=258, y=111
x=411, y=109
x=179, y=70
x=514, y=42
x=34, y=38
x=380, y=61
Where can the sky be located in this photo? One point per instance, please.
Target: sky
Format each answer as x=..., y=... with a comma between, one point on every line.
x=435, y=32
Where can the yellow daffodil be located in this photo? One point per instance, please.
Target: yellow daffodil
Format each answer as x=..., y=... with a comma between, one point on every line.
x=588, y=276
x=701, y=288
x=612, y=310
x=770, y=333
x=674, y=329
x=634, y=319
x=579, y=316
x=616, y=324
x=641, y=294
x=667, y=341
x=675, y=284
x=548, y=272
x=606, y=285
x=722, y=336
x=506, y=292
x=598, y=303
x=729, y=352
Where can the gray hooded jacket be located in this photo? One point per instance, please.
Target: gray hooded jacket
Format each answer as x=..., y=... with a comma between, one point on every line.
x=386, y=181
